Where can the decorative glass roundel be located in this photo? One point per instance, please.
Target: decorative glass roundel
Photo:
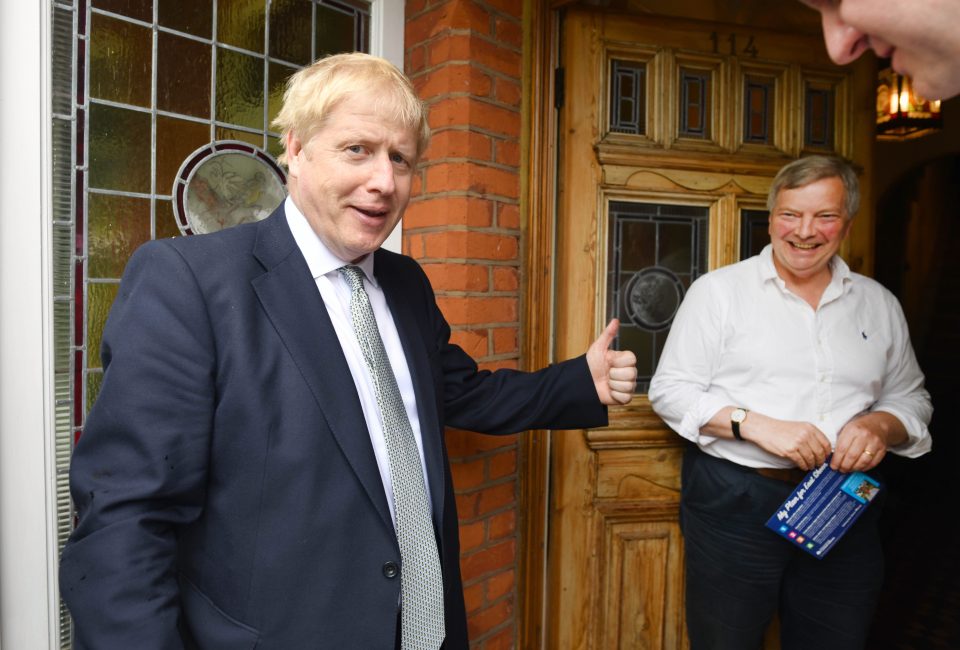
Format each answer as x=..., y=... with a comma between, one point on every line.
x=226, y=183
x=652, y=297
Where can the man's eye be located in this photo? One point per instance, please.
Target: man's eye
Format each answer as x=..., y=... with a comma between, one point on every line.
x=355, y=148
x=398, y=158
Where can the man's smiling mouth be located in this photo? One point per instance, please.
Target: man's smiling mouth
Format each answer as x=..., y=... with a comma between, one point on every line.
x=372, y=212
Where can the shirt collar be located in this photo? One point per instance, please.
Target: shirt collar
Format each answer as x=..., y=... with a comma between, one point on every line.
x=839, y=274
x=319, y=258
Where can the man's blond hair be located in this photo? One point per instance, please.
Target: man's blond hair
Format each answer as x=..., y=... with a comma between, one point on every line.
x=313, y=92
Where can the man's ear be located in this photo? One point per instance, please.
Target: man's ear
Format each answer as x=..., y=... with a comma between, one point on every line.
x=294, y=151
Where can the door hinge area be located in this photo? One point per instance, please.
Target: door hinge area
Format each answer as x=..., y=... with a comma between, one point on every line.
x=559, y=87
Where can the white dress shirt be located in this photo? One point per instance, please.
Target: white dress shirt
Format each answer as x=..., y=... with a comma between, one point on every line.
x=336, y=292
x=741, y=338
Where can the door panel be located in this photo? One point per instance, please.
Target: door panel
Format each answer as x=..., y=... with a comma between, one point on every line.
x=669, y=137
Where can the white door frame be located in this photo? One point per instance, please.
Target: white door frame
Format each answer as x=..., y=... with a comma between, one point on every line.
x=28, y=588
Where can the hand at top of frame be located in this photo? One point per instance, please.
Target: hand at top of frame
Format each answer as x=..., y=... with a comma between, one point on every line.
x=614, y=372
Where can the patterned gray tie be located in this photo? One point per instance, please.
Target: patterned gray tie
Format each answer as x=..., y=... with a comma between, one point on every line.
x=421, y=580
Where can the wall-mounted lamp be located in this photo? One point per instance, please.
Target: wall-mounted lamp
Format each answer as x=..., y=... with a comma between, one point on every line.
x=901, y=113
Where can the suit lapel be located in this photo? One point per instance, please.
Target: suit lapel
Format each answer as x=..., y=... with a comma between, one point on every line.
x=398, y=287
x=289, y=296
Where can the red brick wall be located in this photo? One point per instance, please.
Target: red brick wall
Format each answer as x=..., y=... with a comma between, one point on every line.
x=463, y=225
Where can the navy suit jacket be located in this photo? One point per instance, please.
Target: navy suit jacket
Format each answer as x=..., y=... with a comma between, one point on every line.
x=227, y=491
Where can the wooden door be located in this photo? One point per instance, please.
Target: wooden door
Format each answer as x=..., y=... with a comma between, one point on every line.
x=670, y=132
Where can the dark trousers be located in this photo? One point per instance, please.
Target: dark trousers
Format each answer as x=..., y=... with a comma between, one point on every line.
x=739, y=573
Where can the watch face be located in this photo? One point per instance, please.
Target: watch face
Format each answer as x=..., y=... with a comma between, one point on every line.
x=738, y=415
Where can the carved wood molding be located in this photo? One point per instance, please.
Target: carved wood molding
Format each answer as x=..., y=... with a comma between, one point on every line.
x=625, y=510
x=648, y=178
x=629, y=154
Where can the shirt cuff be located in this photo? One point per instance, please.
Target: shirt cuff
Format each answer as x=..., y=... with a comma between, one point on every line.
x=918, y=441
x=695, y=419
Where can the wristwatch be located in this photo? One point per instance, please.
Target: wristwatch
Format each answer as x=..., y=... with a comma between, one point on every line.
x=736, y=417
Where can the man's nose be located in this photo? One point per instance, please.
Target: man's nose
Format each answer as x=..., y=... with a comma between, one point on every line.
x=382, y=175
x=844, y=42
x=805, y=227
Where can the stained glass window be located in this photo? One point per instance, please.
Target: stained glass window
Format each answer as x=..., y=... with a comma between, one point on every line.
x=695, y=89
x=138, y=87
x=628, y=97
x=754, y=233
x=758, y=101
x=655, y=252
x=818, y=116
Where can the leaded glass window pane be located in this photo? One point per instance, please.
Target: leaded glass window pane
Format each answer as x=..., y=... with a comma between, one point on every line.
x=239, y=89
x=818, y=116
x=176, y=139
x=224, y=133
x=628, y=97
x=338, y=26
x=120, y=61
x=277, y=75
x=120, y=150
x=61, y=62
x=94, y=382
x=118, y=225
x=183, y=75
x=290, y=31
x=166, y=226
x=139, y=9
x=240, y=23
x=695, y=89
x=656, y=252
x=758, y=100
x=63, y=165
x=100, y=297
x=189, y=16
x=754, y=232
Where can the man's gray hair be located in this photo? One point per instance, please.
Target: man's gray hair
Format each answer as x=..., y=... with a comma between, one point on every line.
x=811, y=169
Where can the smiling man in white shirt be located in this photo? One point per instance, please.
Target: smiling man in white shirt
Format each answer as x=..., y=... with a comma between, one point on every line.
x=771, y=366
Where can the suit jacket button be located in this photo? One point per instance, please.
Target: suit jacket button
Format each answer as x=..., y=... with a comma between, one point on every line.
x=391, y=570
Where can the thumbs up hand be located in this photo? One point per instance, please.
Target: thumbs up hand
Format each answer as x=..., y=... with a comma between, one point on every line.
x=614, y=372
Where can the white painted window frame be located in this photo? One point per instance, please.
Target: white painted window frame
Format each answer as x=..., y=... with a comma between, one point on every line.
x=28, y=556
x=386, y=40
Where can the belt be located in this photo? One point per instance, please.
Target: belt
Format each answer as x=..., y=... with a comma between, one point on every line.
x=792, y=475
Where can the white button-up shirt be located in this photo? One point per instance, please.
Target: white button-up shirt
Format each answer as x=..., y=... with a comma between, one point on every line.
x=324, y=266
x=741, y=338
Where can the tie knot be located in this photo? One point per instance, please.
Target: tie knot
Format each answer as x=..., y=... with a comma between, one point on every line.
x=354, y=276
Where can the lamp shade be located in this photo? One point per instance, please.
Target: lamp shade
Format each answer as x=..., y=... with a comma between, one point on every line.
x=901, y=112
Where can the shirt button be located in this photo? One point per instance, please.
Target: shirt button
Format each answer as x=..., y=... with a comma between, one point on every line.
x=391, y=570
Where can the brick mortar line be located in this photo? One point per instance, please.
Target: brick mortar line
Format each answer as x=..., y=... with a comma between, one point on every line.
x=493, y=230
x=432, y=40
x=472, y=63
x=472, y=262
x=467, y=128
x=486, y=455
x=424, y=165
x=434, y=100
x=481, y=3
x=459, y=293
x=485, y=230
x=470, y=194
